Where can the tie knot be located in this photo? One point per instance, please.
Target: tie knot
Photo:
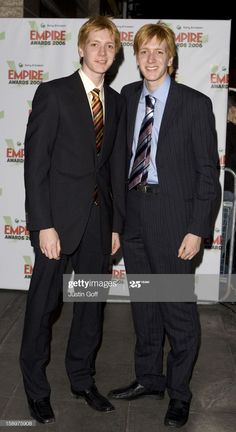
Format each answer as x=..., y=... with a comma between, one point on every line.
x=95, y=93
x=150, y=101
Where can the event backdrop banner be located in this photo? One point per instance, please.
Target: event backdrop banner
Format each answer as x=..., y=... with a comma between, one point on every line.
x=38, y=50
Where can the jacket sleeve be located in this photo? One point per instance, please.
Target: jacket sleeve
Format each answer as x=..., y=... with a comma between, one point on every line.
x=207, y=187
x=117, y=167
x=39, y=142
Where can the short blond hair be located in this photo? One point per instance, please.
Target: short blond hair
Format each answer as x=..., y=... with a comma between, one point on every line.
x=99, y=23
x=162, y=32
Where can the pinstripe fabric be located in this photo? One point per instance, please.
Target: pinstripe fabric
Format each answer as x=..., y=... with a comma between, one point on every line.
x=141, y=163
x=150, y=245
x=186, y=157
x=97, y=110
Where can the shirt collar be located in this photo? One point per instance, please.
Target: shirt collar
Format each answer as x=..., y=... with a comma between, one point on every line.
x=89, y=85
x=160, y=93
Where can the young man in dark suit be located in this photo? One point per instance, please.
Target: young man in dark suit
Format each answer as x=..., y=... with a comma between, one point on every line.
x=172, y=190
x=75, y=204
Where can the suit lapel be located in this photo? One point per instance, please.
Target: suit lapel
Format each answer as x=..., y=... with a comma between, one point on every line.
x=109, y=118
x=172, y=103
x=81, y=104
x=133, y=107
x=108, y=122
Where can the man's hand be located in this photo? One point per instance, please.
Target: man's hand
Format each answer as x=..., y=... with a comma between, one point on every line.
x=115, y=243
x=190, y=246
x=50, y=243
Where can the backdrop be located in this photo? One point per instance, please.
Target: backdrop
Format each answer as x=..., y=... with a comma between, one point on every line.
x=38, y=50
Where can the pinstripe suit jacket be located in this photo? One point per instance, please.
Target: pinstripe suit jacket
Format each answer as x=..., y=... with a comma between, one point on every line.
x=186, y=157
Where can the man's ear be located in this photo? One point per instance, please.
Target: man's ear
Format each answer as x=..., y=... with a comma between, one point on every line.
x=170, y=62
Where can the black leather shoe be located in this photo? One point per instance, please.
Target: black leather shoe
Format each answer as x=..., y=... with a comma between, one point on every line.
x=94, y=399
x=41, y=410
x=134, y=391
x=177, y=413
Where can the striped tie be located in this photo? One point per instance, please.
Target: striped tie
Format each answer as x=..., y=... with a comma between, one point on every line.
x=139, y=172
x=97, y=110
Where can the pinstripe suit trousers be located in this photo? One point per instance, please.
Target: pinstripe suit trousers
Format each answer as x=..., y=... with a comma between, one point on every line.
x=153, y=233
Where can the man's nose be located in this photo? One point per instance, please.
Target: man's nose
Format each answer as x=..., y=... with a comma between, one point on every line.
x=102, y=50
x=151, y=56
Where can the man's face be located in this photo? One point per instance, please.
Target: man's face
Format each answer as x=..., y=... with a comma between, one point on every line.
x=153, y=61
x=98, y=52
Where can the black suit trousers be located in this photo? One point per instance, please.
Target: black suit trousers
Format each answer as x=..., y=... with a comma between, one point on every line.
x=150, y=244
x=44, y=297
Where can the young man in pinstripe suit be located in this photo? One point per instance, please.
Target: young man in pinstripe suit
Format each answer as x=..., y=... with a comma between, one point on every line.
x=173, y=189
x=75, y=206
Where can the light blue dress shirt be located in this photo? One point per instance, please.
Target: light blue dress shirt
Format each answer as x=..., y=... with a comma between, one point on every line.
x=160, y=94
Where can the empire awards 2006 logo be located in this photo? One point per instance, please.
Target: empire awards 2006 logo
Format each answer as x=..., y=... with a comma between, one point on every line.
x=47, y=34
x=15, y=229
x=219, y=77
x=15, y=152
x=28, y=267
x=215, y=242
x=26, y=74
x=127, y=38
x=188, y=36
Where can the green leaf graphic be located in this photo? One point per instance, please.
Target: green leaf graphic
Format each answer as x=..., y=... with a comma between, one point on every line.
x=76, y=65
x=10, y=143
x=33, y=25
x=68, y=36
x=7, y=220
x=11, y=64
x=214, y=69
x=45, y=76
x=204, y=38
x=27, y=260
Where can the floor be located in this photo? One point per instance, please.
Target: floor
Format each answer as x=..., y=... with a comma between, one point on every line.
x=213, y=384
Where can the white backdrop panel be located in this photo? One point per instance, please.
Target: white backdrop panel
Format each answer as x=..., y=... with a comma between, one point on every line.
x=43, y=49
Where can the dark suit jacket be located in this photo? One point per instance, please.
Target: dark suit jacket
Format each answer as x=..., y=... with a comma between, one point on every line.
x=230, y=156
x=62, y=167
x=186, y=156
